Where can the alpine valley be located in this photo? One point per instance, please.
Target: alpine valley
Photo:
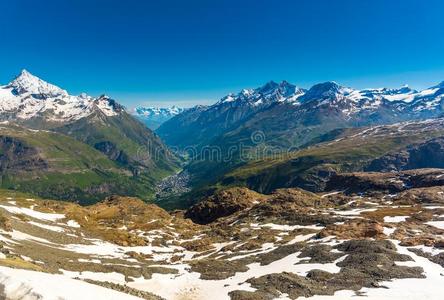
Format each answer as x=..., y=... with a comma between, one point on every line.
x=268, y=125
x=277, y=192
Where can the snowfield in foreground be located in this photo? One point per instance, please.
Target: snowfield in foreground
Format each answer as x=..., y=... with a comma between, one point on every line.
x=309, y=247
x=23, y=284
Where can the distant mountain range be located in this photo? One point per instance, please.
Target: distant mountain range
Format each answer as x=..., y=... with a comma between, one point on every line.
x=84, y=148
x=153, y=117
x=292, y=116
x=75, y=147
x=281, y=117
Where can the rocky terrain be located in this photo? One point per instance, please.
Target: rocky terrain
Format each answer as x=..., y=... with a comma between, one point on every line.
x=412, y=157
x=380, y=236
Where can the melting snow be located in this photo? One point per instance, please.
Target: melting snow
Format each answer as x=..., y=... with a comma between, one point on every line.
x=23, y=284
x=33, y=213
x=388, y=231
x=395, y=219
x=48, y=227
x=188, y=284
x=437, y=224
x=72, y=223
x=113, y=277
x=287, y=227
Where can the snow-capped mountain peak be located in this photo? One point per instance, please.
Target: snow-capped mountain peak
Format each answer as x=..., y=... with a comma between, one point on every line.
x=26, y=83
x=265, y=95
x=158, y=111
x=283, y=89
x=325, y=90
x=27, y=97
x=268, y=87
x=154, y=116
x=247, y=92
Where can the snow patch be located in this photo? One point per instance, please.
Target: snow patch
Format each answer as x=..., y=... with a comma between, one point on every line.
x=32, y=213
x=23, y=284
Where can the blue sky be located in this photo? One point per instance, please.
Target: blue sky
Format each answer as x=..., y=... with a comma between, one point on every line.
x=195, y=51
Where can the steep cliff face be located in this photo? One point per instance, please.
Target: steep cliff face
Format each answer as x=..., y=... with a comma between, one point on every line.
x=389, y=182
x=425, y=155
x=222, y=204
x=17, y=158
x=110, y=149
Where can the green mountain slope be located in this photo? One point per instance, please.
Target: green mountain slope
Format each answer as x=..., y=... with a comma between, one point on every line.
x=278, y=118
x=400, y=146
x=124, y=140
x=353, y=150
x=55, y=165
x=78, y=148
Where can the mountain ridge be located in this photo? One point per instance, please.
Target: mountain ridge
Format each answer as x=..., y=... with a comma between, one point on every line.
x=98, y=124
x=288, y=123
x=28, y=97
x=199, y=126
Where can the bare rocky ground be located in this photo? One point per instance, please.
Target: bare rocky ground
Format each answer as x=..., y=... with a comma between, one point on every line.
x=375, y=242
